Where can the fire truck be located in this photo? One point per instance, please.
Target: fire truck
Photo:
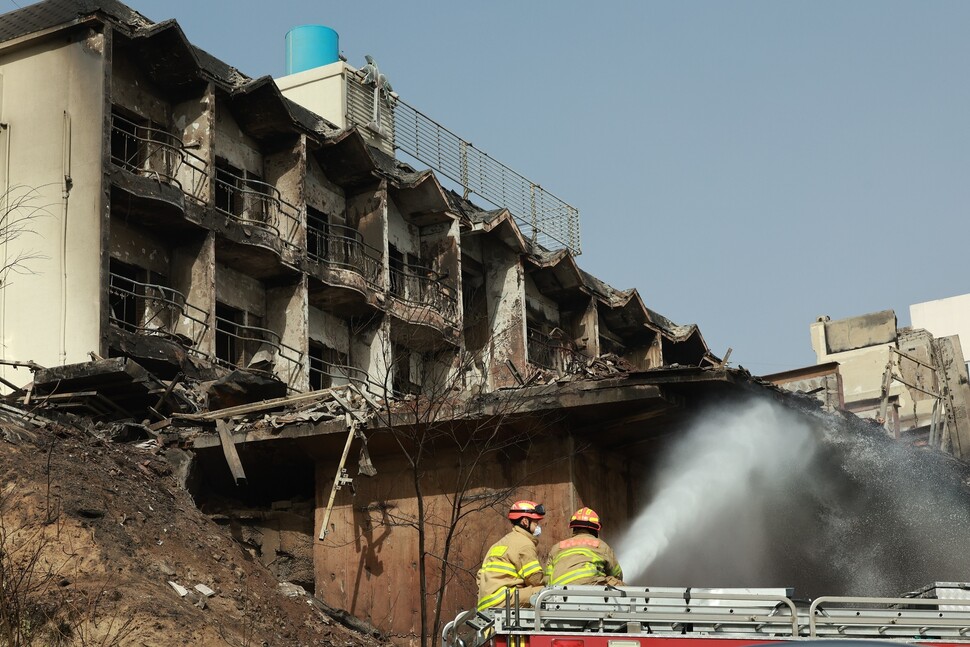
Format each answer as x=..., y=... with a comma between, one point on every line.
x=595, y=616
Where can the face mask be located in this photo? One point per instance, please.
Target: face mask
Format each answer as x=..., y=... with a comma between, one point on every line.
x=537, y=530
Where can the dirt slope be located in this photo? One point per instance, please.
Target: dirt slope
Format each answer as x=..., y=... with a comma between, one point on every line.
x=91, y=533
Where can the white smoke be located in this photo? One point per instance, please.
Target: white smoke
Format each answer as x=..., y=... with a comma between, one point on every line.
x=729, y=458
x=756, y=494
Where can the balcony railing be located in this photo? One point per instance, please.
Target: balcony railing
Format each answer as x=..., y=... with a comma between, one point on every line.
x=554, y=354
x=344, y=247
x=157, y=154
x=337, y=375
x=256, y=203
x=424, y=287
x=543, y=217
x=151, y=309
x=242, y=343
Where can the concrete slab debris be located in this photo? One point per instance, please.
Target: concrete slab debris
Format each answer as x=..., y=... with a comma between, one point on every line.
x=204, y=590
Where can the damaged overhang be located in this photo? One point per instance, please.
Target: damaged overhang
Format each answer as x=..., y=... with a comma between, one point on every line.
x=557, y=275
x=346, y=159
x=168, y=57
x=106, y=389
x=617, y=412
x=497, y=222
x=264, y=113
x=416, y=193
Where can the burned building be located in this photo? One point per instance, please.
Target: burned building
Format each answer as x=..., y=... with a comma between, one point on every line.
x=189, y=212
x=911, y=382
x=183, y=221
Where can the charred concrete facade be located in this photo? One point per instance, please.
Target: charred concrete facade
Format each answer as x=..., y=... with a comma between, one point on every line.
x=199, y=222
x=195, y=213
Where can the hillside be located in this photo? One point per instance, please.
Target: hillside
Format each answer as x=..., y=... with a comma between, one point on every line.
x=92, y=532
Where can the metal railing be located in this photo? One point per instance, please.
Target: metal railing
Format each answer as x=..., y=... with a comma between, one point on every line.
x=151, y=309
x=543, y=217
x=553, y=354
x=157, y=154
x=344, y=248
x=246, y=341
x=424, y=287
x=338, y=374
x=257, y=203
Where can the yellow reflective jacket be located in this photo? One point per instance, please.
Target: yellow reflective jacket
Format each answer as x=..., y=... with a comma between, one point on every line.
x=582, y=559
x=510, y=563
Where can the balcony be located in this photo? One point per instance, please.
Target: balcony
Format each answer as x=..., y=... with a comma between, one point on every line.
x=349, y=270
x=425, y=307
x=552, y=354
x=344, y=248
x=155, y=310
x=424, y=288
x=159, y=156
x=255, y=349
x=253, y=203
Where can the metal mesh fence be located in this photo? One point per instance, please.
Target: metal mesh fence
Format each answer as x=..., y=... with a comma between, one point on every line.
x=543, y=217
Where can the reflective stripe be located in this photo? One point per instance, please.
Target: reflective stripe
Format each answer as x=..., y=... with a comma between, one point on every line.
x=494, y=599
x=531, y=568
x=500, y=567
x=617, y=572
x=576, y=551
x=587, y=570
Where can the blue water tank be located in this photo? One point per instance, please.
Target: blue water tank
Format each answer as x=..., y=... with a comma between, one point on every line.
x=310, y=46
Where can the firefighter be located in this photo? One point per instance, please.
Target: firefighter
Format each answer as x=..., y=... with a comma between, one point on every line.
x=584, y=558
x=512, y=562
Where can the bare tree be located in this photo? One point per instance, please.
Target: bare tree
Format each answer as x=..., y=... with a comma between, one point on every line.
x=19, y=209
x=451, y=425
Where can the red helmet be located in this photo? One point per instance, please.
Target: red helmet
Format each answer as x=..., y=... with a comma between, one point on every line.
x=526, y=510
x=585, y=518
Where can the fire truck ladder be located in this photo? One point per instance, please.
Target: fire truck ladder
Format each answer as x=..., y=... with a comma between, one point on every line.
x=762, y=614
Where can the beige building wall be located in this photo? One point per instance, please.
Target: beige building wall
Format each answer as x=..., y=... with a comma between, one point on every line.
x=861, y=346
x=944, y=317
x=321, y=90
x=53, y=115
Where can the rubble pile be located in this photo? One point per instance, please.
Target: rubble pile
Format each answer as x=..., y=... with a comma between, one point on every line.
x=113, y=548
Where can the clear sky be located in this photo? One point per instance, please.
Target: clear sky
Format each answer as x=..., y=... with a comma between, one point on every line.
x=747, y=166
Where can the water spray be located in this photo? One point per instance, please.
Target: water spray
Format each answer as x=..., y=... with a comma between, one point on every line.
x=729, y=455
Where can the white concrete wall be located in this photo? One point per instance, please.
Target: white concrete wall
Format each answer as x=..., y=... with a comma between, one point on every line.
x=944, y=317
x=53, y=106
x=321, y=90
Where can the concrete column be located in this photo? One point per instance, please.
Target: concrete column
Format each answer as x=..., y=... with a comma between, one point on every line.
x=953, y=379
x=193, y=273
x=505, y=303
x=287, y=314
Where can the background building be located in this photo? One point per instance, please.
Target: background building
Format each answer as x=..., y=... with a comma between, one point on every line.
x=913, y=381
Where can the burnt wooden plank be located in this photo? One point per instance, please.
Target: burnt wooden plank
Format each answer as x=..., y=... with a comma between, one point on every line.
x=229, y=449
